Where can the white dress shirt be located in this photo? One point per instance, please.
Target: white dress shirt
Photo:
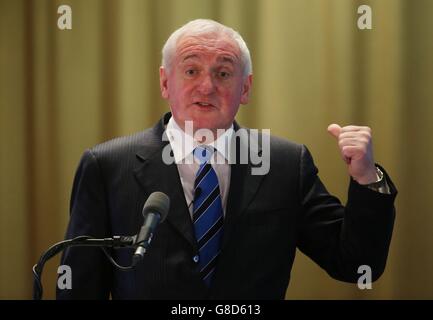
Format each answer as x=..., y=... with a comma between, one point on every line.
x=183, y=146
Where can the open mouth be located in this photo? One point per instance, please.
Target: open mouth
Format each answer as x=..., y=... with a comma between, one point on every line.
x=204, y=104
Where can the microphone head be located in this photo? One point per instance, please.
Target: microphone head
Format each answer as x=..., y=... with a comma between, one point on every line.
x=158, y=202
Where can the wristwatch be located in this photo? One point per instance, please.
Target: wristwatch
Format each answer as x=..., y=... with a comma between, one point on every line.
x=380, y=185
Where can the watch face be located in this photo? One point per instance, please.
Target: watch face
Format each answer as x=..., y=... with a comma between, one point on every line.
x=379, y=174
x=380, y=184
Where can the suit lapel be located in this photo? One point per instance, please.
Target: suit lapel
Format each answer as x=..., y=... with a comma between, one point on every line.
x=243, y=186
x=154, y=175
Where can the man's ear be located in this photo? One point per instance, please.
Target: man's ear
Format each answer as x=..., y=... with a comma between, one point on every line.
x=246, y=89
x=163, y=82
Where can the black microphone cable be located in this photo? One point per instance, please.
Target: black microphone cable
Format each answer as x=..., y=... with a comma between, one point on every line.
x=87, y=241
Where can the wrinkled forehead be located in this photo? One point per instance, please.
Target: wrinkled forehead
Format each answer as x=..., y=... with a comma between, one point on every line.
x=207, y=45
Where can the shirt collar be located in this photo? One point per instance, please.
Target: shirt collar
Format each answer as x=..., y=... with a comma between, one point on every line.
x=183, y=144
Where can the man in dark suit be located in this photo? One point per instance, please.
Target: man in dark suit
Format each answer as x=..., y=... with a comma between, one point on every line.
x=231, y=232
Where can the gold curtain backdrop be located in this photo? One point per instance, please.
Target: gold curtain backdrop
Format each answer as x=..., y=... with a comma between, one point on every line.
x=64, y=91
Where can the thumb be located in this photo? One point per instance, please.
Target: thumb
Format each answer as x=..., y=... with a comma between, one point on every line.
x=334, y=129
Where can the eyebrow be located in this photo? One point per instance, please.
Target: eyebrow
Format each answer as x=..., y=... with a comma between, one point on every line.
x=226, y=59
x=190, y=56
x=223, y=58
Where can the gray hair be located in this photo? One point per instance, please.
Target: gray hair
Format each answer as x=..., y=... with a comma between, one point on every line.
x=202, y=27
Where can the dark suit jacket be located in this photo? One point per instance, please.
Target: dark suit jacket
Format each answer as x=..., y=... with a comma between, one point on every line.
x=267, y=217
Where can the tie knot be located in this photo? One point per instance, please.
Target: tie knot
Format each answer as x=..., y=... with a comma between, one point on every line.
x=203, y=153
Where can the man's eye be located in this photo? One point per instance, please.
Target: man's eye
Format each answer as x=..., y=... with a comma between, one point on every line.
x=190, y=72
x=224, y=74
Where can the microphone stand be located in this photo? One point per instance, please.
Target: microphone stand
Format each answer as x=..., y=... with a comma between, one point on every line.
x=81, y=241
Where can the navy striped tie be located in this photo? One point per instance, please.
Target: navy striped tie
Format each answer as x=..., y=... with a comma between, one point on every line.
x=207, y=214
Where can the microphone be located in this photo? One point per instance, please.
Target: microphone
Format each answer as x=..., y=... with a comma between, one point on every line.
x=197, y=193
x=155, y=211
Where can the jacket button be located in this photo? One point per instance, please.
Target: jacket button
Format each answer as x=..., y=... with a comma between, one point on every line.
x=196, y=258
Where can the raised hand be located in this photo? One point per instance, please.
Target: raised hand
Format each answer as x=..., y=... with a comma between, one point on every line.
x=356, y=150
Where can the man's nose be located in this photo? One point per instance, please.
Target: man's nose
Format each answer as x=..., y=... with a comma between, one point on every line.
x=206, y=85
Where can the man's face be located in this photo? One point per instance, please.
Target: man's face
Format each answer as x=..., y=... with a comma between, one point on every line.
x=205, y=82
